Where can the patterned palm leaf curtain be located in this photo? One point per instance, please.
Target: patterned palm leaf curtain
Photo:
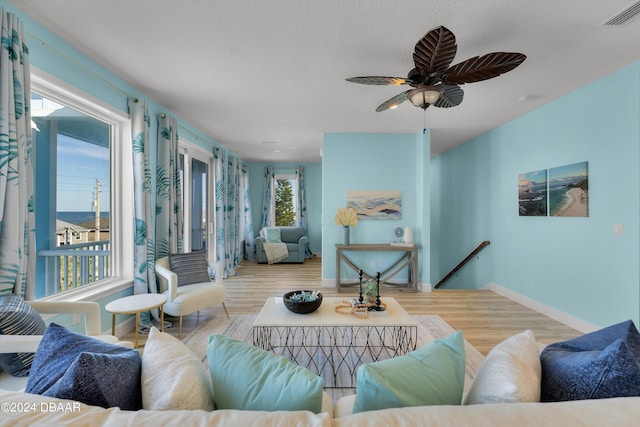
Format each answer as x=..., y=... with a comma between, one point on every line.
x=144, y=249
x=220, y=196
x=17, y=238
x=302, y=207
x=228, y=210
x=267, y=201
x=249, y=238
x=233, y=232
x=169, y=216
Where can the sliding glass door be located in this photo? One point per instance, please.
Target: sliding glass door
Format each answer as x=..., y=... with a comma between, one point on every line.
x=196, y=174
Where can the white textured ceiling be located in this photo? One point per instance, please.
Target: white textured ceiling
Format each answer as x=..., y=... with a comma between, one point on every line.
x=246, y=72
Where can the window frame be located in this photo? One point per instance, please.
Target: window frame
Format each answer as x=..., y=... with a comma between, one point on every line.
x=121, y=192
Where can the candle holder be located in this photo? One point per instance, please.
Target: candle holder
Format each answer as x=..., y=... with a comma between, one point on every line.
x=378, y=306
x=360, y=298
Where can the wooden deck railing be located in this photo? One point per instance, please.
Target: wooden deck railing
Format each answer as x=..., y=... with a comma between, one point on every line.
x=480, y=247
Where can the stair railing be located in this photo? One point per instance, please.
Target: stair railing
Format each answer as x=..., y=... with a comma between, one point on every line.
x=480, y=247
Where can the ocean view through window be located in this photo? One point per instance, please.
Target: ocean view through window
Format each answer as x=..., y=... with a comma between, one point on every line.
x=73, y=149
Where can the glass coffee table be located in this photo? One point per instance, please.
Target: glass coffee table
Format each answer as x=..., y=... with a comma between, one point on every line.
x=331, y=344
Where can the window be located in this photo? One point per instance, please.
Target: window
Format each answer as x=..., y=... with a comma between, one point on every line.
x=285, y=201
x=196, y=175
x=81, y=192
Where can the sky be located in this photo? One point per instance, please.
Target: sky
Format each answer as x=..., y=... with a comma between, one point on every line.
x=79, y=165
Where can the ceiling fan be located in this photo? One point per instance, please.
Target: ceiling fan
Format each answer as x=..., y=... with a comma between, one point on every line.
x=433, y=81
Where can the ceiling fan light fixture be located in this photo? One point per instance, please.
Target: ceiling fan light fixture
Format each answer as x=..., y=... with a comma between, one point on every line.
x=424, y=95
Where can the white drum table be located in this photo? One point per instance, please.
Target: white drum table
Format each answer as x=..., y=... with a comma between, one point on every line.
x=136, y=304
x=331, y=344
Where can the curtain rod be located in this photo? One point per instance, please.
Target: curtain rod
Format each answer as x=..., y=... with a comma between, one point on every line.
x=189, y=131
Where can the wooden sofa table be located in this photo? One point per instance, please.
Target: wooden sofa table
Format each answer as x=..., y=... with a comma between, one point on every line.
x=408, y=260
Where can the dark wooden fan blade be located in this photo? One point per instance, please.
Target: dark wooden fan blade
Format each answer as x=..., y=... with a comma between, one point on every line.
x=378, y=80
x=435, y=51
x=393, y=102
x=451, y=96
x=482, y=68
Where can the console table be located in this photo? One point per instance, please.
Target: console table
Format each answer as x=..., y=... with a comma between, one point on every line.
x=408, y=259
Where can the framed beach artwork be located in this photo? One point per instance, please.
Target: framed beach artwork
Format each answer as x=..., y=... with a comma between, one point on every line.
x=375, y=204
x=532, y=193
x=569, y=190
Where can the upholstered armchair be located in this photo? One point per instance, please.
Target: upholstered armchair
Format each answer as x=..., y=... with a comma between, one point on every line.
x=297, y=245
x=188, y=285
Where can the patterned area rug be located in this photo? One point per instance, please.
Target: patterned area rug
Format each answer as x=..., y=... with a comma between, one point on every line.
x=239, y=327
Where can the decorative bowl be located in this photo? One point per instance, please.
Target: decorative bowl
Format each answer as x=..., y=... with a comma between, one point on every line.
x=301, y=307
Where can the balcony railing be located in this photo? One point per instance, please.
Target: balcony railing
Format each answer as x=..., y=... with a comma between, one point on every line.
x=72, y=266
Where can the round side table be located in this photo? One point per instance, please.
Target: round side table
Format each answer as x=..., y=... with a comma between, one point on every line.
x=136, y=304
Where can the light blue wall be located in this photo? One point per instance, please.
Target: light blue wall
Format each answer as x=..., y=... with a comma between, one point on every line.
x=313, y=190
x=365, y=161
x=575, y=265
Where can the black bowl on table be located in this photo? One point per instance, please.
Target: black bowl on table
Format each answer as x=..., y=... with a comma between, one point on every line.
x=301, y=307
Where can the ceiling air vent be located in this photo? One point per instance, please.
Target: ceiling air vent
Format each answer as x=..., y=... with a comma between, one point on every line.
x=625, y=16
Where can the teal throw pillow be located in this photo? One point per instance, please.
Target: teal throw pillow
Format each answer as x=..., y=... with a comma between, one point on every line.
x=272, y=235
x=249, y=378
x=431, y=375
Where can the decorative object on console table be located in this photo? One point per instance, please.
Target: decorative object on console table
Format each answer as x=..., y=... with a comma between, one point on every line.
x=346, y=218
x=408, y=235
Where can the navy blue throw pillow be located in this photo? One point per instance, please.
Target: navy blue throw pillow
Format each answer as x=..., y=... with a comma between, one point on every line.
x=81, y=368
x=597, y=365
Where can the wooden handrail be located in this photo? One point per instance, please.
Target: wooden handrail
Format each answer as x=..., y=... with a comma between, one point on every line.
x=480, y=247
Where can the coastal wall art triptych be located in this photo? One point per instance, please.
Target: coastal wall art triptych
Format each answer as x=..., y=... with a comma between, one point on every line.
x=559, y=191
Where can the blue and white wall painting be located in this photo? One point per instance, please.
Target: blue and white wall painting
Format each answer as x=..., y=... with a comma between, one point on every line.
x=559, y=191
x=569, y=190
x=532, y=193
x=375, y=204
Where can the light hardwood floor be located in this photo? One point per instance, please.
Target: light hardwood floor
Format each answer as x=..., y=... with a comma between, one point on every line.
x=484, y=317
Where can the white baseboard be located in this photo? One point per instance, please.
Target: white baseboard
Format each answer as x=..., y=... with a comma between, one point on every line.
x=328, y=283
x=122, y=328
x=425, y=287
x=541, y=308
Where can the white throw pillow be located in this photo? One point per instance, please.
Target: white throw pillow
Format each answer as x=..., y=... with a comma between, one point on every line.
x=511, y=372
x=172, y=376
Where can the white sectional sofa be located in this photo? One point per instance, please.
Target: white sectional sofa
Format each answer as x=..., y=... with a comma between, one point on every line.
x=21, y=409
